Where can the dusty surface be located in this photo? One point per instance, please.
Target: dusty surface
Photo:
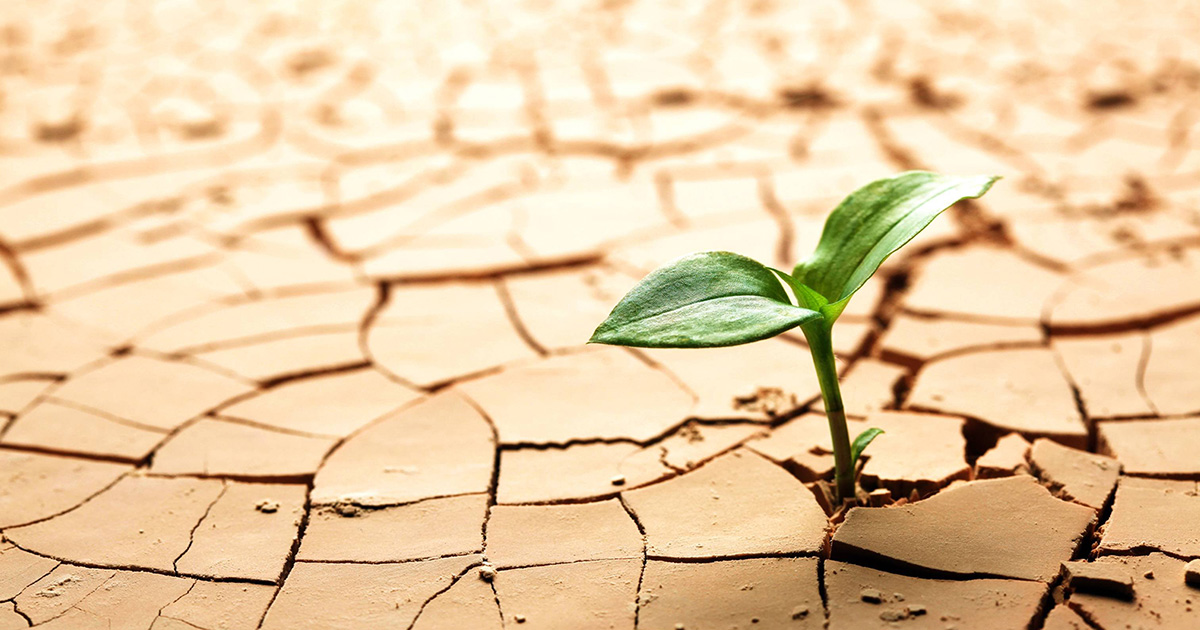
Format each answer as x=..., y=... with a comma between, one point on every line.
x=293, y=301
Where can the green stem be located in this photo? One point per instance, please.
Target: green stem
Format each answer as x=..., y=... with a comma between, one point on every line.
x=820, y=343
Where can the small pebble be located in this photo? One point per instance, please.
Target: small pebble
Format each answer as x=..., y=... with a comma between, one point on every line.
x=871, y=595
x=519, y=618
x=679, y=626
x=267, y=506
x=799, y=612
x=916, y=610
x=618, y=480
x=893, y=615
x=1149, y=575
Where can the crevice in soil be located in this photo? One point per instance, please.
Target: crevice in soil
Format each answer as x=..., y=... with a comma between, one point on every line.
x=86, y=500
x=289, y=562
x=1145, y=322
x=459, y=554
x=283, y=379
x=735, y=556
x=10, y=259
x=1143, y=364
x=637, y=596
x=493, y=489
x=462, y=574
x=664, y=188
x=787, y=230
x=873, y=560
x=822, y=589
x=1086, y=616
x=192, y=534
x=514, y=318
x=157, y=571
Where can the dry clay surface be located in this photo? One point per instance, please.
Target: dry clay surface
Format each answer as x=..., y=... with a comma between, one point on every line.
x=293, y=302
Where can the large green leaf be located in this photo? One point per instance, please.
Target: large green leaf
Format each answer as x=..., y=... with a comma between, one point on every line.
x=872, y=223
x=703, y=300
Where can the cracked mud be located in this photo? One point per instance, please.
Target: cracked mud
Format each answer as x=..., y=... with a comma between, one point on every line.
x=293, y=303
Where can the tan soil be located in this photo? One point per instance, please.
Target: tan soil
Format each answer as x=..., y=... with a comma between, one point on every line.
x=984, y=603
x=294, y=302
x=1008, y=527
x=1152, y=515
x=1084, y=478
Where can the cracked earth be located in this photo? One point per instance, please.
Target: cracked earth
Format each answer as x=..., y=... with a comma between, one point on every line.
x=293, y=302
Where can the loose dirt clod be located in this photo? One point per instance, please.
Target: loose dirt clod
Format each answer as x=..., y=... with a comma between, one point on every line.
x=1191, y=573
x=618, y=480
x=799, y=612
x=519, y=618
x=267, y=506
x=871, y=595
x=771, y=401
x=346, y=509
x=893, y=615
x=915, y=610
x=487, y=573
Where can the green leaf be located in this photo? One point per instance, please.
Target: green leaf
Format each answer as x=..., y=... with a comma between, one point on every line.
x=804, y=295
x=703, y=300
x=872, y=223
x=861, y=442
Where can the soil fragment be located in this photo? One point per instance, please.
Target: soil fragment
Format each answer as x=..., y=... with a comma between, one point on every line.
x=1103, y=579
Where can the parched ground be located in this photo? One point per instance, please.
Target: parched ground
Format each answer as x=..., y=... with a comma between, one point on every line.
x=293, y=303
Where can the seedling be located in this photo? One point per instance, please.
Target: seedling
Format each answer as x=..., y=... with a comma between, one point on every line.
x=714, y=299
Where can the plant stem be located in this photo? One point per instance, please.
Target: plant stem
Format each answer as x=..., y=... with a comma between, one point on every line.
x=820, y=343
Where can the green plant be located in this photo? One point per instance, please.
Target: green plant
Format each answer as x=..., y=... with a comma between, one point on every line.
x=713, y=299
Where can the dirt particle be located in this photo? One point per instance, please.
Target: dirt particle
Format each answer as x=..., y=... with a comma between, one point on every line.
x=800, y=612
x=871, y=595
x=1149, y=575
x=519, y=618
x=617, y=480
x=59, y=131
x=305, y=62
x=267, y=506
x=487, y=573
x=675, y=97
x=1115, y=99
